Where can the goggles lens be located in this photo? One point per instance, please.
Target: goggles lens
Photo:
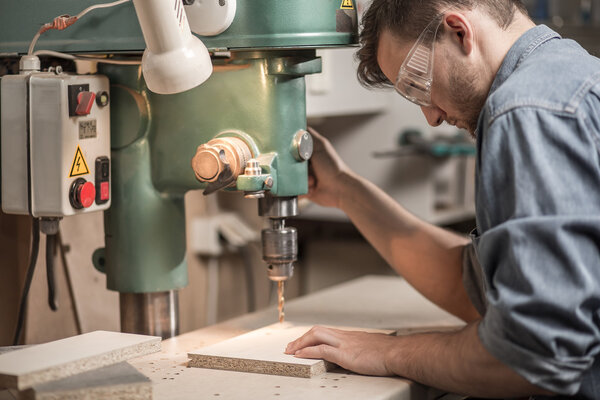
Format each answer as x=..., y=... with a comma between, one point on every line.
x=416, y=73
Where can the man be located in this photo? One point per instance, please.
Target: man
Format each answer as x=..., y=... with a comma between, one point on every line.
x=528, y=285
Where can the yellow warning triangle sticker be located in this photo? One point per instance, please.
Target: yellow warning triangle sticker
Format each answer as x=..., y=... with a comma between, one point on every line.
x=79, y=166
x=347, y=5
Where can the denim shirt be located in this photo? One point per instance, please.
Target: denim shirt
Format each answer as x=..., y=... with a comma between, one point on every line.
x=538, y=215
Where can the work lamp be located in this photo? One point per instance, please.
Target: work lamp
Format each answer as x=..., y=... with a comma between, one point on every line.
x=174, y=60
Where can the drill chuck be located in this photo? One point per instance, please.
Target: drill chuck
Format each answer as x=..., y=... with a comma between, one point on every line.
x=280, y=250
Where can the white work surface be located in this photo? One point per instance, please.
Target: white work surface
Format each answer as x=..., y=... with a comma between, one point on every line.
x=370, y=302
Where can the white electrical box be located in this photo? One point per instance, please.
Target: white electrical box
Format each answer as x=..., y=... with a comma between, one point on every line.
x=55, y=144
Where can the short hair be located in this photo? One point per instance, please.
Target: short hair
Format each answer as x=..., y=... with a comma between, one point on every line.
x=406, y=19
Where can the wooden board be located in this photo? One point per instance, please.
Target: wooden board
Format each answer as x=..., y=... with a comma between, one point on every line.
x=46, y=362
x=119, y=381
x=262, y=351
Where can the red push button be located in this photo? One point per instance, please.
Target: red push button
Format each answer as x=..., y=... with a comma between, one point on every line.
x=87, y=194
x=82, y=194
x=85, y=101
x=104, y=188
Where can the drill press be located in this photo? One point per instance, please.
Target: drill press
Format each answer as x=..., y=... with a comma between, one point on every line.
x=222, y=161
x=244, y=129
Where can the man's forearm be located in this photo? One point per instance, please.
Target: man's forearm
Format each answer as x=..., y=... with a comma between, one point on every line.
x=456, y=362
x=428, y=257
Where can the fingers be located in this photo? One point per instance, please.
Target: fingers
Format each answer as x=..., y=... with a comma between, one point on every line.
x=314, y=133
x=319, y=141
x=322, y=351
x=314, y=337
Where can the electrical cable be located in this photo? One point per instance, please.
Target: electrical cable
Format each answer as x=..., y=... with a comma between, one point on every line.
x=35, y=247
x=50, y=253
x=97, y=6
x=64, y=21
x=63, y=257
x=86, y=58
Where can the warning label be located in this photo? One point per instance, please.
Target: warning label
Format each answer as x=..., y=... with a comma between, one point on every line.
x=79, y=166
x=347, y=5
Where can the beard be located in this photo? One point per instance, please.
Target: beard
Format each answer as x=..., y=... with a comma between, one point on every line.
x=465, y=94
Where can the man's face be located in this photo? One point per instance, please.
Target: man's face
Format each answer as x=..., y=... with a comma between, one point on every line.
x=458, y=92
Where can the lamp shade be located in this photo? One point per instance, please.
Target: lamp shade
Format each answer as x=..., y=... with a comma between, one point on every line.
x=174, y=60
x=177, y=70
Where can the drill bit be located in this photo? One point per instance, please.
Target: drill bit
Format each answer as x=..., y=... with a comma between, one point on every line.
x=280, y=300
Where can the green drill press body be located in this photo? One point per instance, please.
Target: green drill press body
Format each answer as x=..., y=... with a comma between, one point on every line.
x=257, y=93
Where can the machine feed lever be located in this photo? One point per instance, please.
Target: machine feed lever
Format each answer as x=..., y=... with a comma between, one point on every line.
x=225, y=178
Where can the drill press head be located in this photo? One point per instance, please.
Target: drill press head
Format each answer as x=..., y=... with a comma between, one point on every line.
x=280, y=243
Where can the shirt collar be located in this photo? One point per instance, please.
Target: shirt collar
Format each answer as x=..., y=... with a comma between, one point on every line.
x=519, y=52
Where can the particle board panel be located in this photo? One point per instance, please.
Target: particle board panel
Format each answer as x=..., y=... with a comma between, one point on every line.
x=262, y=351
x=7, y=349
x=119, y=381
x=46, y=362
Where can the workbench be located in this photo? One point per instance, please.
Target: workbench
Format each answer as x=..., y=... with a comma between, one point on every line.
x=370, y=302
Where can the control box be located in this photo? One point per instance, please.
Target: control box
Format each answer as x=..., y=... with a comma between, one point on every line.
x=55, y=144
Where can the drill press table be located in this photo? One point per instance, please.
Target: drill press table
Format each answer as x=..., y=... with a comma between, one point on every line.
x=371, y=302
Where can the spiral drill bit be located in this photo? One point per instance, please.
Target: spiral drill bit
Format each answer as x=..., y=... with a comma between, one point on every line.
x=280, y=300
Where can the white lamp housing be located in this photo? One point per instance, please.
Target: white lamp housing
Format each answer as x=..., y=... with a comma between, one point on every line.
x=174, y=60
x=210, y=18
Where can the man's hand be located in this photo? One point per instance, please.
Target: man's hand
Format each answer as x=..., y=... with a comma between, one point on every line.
x=453, y=361
x=357, y=351
x=326, y=171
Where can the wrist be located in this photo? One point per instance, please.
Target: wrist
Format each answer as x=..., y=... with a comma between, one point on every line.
x=392, y=357
x=347, y=184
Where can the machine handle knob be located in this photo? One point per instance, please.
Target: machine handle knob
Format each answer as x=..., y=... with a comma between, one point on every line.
x=208, y=163
x=220, y=161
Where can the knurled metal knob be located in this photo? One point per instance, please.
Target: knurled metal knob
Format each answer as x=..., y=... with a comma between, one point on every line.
x=212, y=157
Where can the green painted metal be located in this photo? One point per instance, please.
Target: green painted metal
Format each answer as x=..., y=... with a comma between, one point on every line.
x=154, y=137
x=259, y=94
x=144, y=229
x=258, y=183
x=258, y=24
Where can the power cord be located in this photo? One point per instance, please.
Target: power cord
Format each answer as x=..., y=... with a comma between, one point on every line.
x=82, y=57
x=64, y=21
x=35, y=247
x=62, y=250
x=50, y=254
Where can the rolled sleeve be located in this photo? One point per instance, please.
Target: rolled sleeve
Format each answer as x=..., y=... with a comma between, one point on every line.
x=542, y=318
x=472, y=278
x=539, y=191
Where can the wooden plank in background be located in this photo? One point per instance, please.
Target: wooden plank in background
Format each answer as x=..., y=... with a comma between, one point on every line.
x=262, y=351
x=119, y=381
x=46, y=362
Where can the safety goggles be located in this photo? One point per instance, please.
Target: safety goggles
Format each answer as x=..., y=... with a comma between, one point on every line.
x=416, y=73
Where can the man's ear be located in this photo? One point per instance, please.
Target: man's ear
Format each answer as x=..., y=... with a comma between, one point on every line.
x=461, y=31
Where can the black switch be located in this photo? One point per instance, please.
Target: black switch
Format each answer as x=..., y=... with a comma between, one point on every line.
x=102, y=180
x=105, y=169
x=73, y=92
